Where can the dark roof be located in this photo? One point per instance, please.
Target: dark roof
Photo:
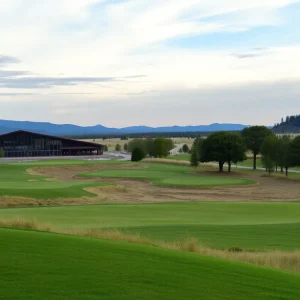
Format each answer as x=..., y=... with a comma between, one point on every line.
x=52, y=136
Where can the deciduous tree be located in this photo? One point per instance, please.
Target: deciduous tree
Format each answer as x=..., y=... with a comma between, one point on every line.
x=194, y=158
x=269, y=152
x=254, y=137
x=223, y=147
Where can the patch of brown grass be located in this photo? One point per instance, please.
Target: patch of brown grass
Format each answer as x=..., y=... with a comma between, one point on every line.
x=20, y=223
x=284, y=260
x=167, y=161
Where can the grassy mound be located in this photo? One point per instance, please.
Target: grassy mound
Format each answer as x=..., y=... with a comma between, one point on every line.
x=221, y=225
x=49, y=266
x=170, y=175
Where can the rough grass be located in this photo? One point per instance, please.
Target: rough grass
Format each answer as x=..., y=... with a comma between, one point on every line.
x=169, y=175
x=253, y=226
x=167, y=161
x=284, y=260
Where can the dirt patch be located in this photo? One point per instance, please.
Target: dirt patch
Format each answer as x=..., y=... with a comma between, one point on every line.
x=66, y=173
x=141, y=191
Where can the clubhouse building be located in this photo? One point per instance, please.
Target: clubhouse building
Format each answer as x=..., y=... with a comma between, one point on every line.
x=23, y=143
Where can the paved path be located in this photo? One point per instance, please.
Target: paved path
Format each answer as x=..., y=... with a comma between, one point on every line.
x=175, y=151
x=233, y=166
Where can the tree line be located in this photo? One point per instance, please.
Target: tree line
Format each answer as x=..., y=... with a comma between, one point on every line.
x=290, y=124
x=227, y=148
x=158, y=147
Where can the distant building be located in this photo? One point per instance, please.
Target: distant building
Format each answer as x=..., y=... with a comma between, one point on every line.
x=24, y=143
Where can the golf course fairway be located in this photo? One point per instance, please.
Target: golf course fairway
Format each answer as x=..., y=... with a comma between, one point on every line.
x=37, y=265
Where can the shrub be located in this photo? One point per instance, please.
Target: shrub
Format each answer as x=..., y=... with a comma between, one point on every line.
x=137, y=154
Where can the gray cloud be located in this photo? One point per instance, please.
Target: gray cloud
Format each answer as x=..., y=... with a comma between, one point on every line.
x=26, y=80
x=139, y=93
x=255, y=103
x=255, y=52
x=12, y=79
x=246, y=55
x=17, y=94
x=5, y=59
x=11, y=74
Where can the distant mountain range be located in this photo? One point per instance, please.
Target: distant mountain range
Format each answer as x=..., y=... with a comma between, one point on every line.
x=69, y=129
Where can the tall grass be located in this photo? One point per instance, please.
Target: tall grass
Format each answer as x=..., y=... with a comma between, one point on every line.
x=284, y=260
x=167, y=161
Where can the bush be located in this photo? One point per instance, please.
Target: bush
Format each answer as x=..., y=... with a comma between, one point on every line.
x=137, y=154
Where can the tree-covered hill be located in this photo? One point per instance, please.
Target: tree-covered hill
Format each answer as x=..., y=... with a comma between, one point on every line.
x=291, y=124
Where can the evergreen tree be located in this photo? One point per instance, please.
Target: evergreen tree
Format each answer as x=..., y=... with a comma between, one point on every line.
x=194, y=158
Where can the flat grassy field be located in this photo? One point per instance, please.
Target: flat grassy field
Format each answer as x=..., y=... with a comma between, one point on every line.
x=36, y=265
x=169, y=175
x=220, y=225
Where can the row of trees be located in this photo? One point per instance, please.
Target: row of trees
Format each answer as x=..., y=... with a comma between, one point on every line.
x=280, y=152
x=158, y=147
x=228, y=147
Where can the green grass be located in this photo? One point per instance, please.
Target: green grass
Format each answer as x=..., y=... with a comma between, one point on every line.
x=15, y=181
x=50, y=266
x=169, y=175
x=220, y=225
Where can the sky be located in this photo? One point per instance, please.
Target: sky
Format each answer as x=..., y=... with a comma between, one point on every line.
x=158, y=63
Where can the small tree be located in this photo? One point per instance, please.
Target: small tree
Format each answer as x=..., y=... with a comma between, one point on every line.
x=105, y=148
x=180, y=150
x=268, y=151
x=254, y=137
x=125, y=147
x=282, y=153
x=118, y=147
x=269, y=163
x=162, y=146
x=194, y=158
x=185, y=148
x=137, y=154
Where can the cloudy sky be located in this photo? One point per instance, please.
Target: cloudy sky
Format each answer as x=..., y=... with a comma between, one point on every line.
x=152, y=62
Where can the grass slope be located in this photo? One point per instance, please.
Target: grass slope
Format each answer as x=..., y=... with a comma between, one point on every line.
x=221, y=225
x=48, y=266
x=169, y=175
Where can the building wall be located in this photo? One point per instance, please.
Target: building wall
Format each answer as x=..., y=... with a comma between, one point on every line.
x=21, y=143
